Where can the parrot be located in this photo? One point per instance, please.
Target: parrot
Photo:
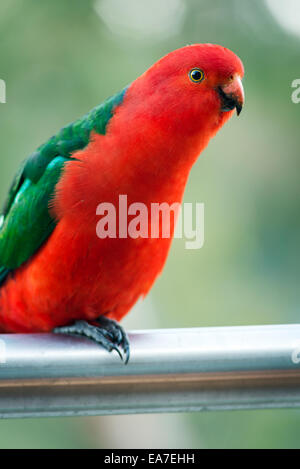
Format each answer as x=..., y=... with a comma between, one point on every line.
x=56, y=274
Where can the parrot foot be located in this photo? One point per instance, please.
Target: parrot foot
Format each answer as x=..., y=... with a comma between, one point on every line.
x=109, y=335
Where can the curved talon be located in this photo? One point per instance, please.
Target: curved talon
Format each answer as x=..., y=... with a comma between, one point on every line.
x=114, y=347
x=127, y=354
x=109, y=334
x=117, y=333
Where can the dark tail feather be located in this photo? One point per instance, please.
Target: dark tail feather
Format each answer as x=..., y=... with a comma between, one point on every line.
x=3, y=274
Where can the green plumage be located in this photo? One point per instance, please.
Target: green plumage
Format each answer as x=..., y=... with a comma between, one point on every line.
x=26, y=222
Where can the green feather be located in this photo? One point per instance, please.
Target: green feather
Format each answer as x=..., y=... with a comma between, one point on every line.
x=29, y=223
x=26, y=223
x=3, y=274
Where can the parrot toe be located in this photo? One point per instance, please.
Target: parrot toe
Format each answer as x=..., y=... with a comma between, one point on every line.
x=116, y=334
x=109, y=335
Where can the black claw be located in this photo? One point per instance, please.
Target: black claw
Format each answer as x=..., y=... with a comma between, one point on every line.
x=117, y=334
x=110, y=335
x=127, y=354
x=114, y=347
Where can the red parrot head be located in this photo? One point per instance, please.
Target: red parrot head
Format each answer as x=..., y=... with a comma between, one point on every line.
x=195, y=88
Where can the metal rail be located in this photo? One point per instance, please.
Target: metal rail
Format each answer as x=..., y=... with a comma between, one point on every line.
x=169, y=371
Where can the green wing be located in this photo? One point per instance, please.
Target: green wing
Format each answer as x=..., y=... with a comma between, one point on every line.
x=26, y=222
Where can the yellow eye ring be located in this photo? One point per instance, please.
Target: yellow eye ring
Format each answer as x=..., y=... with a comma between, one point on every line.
x=196, y=75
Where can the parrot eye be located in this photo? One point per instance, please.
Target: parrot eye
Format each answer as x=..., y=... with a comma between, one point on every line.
x=196, y=75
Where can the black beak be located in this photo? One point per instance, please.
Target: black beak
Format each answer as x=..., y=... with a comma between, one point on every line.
x=230, y=102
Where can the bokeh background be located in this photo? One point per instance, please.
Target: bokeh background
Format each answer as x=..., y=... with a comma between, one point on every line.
x=60, y=58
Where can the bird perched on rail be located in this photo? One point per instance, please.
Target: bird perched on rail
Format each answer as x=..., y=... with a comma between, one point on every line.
x=56, y=274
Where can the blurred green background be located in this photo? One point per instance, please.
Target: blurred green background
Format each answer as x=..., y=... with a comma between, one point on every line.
x=60, y=58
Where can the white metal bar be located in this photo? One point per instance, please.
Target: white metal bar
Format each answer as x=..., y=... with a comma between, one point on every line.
x=254, y=367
